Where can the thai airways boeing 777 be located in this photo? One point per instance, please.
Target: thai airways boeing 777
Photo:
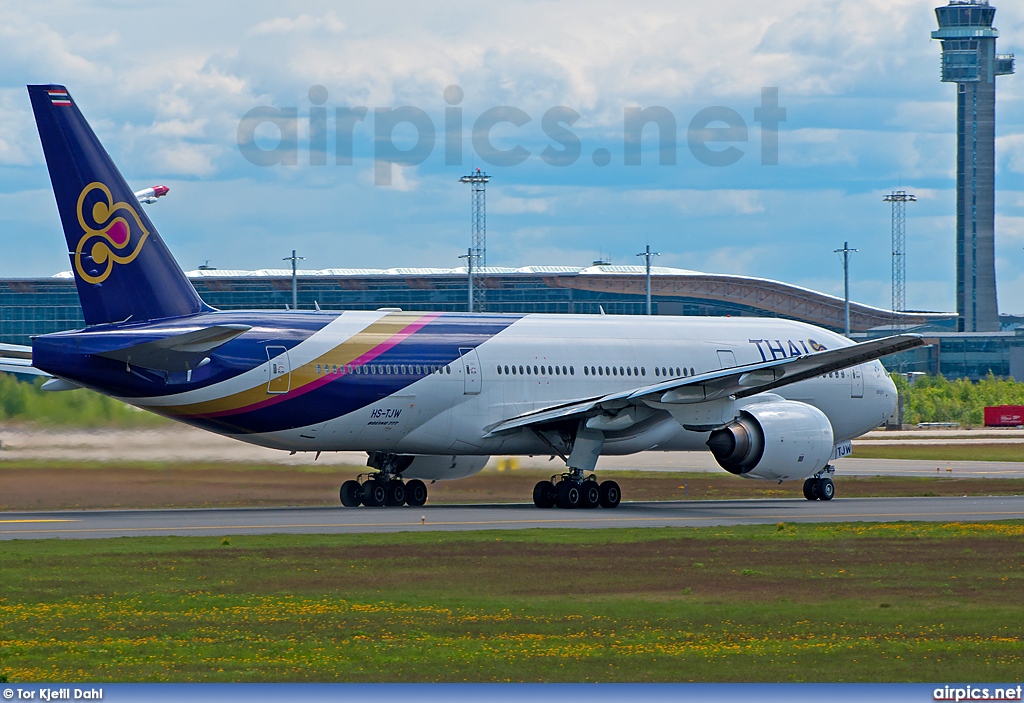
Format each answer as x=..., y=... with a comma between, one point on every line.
x=429, y=396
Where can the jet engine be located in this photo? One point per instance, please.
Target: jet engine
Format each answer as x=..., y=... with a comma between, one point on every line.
x=777, y=440
x=441, y=468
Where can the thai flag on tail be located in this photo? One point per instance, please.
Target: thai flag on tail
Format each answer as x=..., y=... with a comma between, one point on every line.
x=59, y=97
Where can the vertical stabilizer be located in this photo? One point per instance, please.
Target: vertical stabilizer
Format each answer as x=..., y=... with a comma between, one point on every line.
x=122, y=268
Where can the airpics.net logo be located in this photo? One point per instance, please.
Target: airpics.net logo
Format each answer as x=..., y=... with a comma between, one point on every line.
x=978, y=693
x=715, y=136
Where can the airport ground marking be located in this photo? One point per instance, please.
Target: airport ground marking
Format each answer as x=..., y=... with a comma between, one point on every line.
x=498, y=524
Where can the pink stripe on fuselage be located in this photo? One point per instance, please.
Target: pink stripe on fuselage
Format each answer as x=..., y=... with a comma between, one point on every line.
x=369, y=356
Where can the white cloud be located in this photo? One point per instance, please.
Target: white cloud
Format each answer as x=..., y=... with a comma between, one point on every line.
x=508, y=205
x=184, y=159
x=303, y=23
x=1010, y=152
x=1010, y=229
x=403, y=178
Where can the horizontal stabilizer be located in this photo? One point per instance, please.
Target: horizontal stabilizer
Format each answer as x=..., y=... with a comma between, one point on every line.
x=22, y=366
x=15, y=351
x=17, y=358
x=182, y=352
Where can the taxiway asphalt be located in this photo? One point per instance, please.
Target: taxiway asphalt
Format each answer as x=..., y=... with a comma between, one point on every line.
x=337, y=520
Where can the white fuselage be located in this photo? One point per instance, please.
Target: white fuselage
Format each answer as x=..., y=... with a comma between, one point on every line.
x=451, y=412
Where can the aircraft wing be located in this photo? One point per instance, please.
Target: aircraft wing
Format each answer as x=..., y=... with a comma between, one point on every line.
x=737, y=382
x=16, y=358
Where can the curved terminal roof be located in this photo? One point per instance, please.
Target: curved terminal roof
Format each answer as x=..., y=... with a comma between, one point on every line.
x=761, y=296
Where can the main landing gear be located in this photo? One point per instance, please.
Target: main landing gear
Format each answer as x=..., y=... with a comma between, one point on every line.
x=574, y=488
x=385, y=488
x=820, y=487
x=574, y=491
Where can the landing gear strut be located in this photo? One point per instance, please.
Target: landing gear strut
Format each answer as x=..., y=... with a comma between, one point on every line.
x=819, y=486
x=575, y=489
x=385, y=487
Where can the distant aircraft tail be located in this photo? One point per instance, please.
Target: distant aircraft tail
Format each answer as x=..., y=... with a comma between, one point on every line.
x=122, y=268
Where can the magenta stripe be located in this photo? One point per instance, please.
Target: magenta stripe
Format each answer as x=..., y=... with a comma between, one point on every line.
x=369, y=356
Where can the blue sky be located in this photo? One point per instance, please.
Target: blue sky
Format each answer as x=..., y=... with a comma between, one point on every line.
x=166, y=85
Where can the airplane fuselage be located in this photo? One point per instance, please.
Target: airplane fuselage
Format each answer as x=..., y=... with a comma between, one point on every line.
x=435, y=383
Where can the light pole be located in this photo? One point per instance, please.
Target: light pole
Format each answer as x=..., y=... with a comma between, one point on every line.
x=295, y=281
x=846, y=251
x=469, y=256
x=647, y=253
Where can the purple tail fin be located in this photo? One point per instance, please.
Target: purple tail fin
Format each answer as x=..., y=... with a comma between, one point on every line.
x=122, y=268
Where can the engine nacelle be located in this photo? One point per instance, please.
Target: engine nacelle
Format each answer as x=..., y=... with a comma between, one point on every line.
x=441, y=468
x=779, y=440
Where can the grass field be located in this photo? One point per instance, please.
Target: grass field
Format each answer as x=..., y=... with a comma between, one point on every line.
x=963, y=451
x=54, y=485
x=858, y=602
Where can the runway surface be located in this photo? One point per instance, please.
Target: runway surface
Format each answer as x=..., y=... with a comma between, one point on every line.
x=331, y=520
x=183, y=444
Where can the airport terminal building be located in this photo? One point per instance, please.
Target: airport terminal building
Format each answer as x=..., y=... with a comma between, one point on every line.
x=31, y=306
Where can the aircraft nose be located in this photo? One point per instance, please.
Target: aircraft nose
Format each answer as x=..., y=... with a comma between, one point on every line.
x=887, y=388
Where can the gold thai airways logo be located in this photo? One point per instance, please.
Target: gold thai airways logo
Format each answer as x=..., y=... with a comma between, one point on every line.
x=108, y=232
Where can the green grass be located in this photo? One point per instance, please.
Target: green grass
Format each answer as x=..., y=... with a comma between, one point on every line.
x=940, y=452
x=25, y=402
x=856, y=602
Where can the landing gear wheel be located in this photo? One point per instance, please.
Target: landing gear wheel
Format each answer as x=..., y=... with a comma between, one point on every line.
x=544, y=494
x=395, y=493
x=415, y=493
x=610, y=495
x=351, y=494
x=809, y=486
x=590, y=494
x=826, y=490
x=568, y=494
x=375, y=493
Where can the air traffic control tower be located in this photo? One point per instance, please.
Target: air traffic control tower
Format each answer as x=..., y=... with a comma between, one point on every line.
x=969, y=59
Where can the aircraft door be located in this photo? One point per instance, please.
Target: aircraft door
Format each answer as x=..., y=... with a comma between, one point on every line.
x=856, y=382
x=280, y=370
x=726, y=358
x=471, y=370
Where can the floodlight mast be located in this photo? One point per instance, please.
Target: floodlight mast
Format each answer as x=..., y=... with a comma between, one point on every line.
x=899, y=200
x=478, y=242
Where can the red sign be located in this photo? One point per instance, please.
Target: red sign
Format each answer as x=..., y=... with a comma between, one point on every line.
x=1004, y=416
